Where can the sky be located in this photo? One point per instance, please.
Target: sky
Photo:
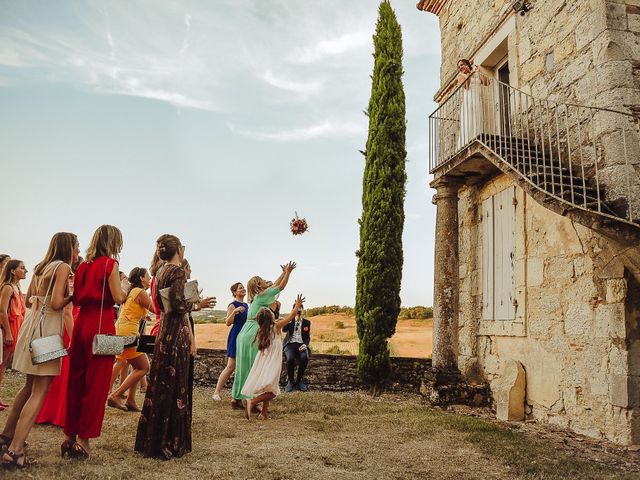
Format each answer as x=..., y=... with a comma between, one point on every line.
x=216, y=121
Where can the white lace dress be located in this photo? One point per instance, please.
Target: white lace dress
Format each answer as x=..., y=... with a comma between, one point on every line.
x=265, y=373
x=472, y=113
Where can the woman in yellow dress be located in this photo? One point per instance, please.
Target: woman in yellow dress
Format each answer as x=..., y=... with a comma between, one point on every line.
x=135, y=308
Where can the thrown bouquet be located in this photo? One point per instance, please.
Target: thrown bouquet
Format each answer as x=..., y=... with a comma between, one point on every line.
x=298, y=225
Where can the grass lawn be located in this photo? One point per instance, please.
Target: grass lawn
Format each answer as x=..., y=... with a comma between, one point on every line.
x=319, y=436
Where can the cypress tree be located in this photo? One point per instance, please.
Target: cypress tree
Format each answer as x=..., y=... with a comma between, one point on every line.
x=380, y=254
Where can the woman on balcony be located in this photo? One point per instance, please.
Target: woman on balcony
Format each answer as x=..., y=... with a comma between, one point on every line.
x=472, y=101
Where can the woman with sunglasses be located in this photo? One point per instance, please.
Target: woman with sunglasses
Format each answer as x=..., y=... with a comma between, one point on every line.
x=164, y=429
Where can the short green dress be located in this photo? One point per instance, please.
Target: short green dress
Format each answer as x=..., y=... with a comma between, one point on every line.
x=246, y=347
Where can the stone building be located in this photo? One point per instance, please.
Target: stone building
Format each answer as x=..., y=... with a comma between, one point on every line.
x=536, y=163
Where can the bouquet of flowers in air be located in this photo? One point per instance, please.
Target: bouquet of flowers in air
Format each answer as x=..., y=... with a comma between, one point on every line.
x=298, y=225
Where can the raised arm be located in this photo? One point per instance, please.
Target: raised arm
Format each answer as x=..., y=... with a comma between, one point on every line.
x=299, y=302
x=289, y=267
x=279, y=279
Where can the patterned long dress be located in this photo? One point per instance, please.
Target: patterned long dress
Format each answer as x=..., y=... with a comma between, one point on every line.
x=164, y=429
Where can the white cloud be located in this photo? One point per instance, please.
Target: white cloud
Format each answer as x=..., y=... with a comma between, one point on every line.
x=304, y=88
x=332, y=47
x=324, y=129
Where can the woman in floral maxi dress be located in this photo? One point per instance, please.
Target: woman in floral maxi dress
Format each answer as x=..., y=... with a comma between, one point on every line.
x=164, y=429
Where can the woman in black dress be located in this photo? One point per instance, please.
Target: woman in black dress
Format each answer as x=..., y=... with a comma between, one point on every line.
x=164, y=429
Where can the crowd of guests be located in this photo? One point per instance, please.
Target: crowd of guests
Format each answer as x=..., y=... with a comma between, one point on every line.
x=73, y=300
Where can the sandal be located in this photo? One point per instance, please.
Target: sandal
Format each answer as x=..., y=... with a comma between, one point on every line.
x=78, y=451
x=112, y=402
x=132, y=408
x=5, y=441
x=67, y=448
x=15, y=460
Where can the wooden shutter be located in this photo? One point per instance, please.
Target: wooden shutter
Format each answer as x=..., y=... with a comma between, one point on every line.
x=487, y=259
x=498, y=250
x=504, y=221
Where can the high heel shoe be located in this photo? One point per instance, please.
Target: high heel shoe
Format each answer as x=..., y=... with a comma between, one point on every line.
x=15, y=459
x=79, y=452
x=4, y=442
x=66, y=448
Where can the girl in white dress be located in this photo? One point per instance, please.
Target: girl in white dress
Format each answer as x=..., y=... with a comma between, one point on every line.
x=264, y=378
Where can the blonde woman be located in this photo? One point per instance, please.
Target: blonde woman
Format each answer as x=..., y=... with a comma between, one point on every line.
x=48, y=288
x=96, y=289
x=259, y=295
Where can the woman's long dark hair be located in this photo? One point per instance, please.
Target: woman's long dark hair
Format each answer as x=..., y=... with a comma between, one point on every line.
x=265, y=328
x=7, y=272
x=135, y=279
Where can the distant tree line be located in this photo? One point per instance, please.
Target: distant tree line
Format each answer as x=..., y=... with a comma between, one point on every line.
x=406, y=313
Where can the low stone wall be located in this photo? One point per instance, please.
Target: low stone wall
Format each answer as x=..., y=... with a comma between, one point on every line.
x=325, y=372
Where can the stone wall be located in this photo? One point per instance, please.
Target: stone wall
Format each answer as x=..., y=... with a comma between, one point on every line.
x=324, y=372
x=576, y=329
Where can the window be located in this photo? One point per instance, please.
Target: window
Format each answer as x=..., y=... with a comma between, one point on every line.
x=498, y=242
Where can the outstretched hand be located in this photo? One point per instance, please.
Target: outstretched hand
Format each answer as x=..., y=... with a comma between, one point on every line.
x=299, y=301
x=289, y=267
x=208, y=302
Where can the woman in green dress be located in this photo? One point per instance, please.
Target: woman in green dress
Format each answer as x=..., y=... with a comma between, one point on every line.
x=259, y=295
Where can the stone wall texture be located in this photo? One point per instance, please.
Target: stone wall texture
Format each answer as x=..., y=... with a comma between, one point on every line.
x=324, y=372
x=576, y=330
x=577, y=325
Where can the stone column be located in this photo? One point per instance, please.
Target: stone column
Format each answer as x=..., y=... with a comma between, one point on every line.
x=446, y=281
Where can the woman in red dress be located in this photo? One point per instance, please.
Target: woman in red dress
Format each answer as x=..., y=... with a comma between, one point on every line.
x=96, y=290
x=12, y=311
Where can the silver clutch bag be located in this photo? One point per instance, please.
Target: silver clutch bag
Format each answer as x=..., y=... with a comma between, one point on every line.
x=46, y=349
x=191, y=294
x=104, y=344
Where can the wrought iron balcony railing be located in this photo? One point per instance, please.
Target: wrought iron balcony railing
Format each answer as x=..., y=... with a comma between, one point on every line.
x=586, y=157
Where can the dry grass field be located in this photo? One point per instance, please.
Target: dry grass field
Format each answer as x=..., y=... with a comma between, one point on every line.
x=328, y=332
x=322, y=436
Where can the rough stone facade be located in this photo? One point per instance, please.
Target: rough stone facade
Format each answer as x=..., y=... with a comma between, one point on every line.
x=572, y=51
x=324, y=372
x=576, y=328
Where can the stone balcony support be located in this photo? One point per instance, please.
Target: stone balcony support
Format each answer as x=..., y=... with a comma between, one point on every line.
x=446, y=281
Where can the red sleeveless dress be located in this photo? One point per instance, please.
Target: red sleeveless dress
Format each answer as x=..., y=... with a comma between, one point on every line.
x=54, y=409
x=89, y=374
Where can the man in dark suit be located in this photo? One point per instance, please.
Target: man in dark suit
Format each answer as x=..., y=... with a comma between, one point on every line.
x=296, y=347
